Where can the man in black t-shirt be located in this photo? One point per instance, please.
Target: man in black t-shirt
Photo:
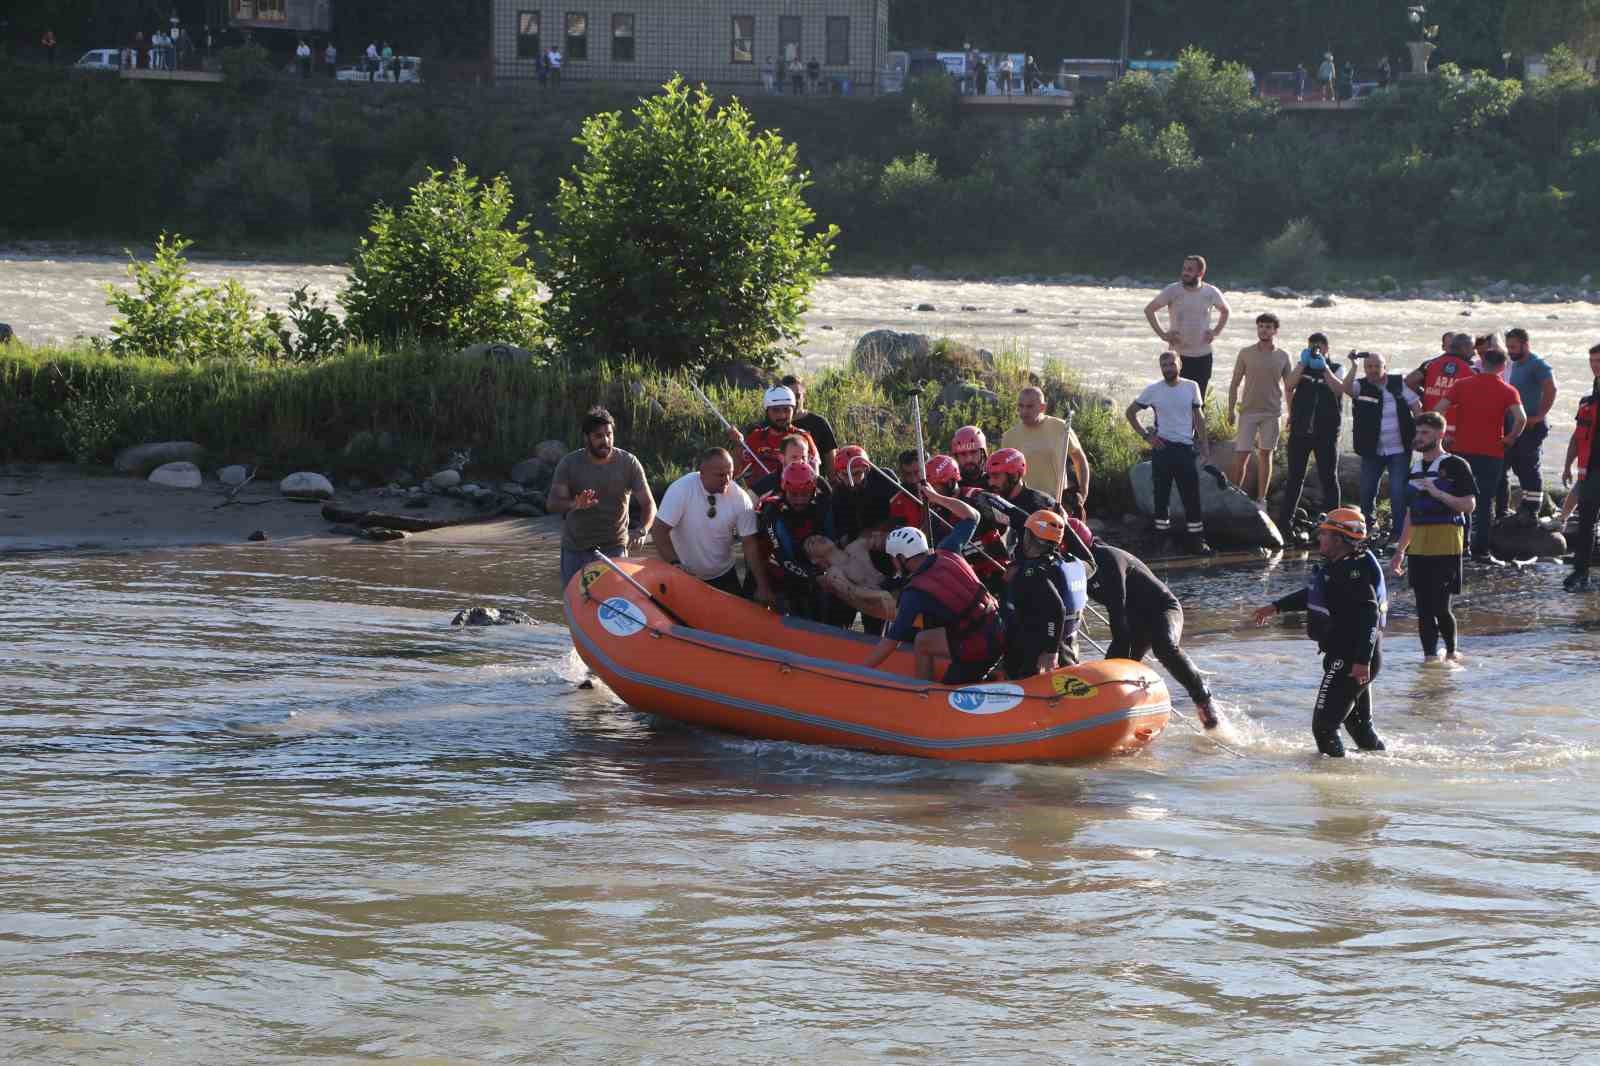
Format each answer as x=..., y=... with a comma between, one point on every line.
x=820, y=428
x=1316, y=407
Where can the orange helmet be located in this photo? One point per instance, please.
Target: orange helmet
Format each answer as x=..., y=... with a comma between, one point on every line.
x=1348, y=522
x=1008, y=461
x=1046, y=525
x=941, y=470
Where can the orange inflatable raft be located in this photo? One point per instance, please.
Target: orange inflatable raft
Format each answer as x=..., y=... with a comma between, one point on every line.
x=728, y=664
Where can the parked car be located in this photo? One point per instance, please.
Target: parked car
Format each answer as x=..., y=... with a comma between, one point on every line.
x=100, y=59
x=410, y=70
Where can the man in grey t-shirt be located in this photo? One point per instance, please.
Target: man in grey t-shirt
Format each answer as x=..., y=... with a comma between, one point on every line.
x=1190, y=331
x=591, y=490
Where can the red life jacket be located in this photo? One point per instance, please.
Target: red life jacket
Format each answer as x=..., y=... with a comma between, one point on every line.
x=966, y=605
x=768, y=444
x=905, y=512
x=1439, y=376
x=1583, y=436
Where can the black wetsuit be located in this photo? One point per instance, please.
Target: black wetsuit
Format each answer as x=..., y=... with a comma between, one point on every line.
x=785, y=529
x=1588, y=491
x=1348, y=629
x=1036, y=617
x=863, y=505
x=1145, y=616
x=1024, y=503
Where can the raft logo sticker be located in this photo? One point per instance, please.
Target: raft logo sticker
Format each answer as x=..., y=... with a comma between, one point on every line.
x=1072, y=688
x=986, y=699
x=591, y=574
x=621, y=618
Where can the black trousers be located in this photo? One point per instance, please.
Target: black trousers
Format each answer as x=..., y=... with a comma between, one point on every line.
x=1197, y=368
x=1588, y=512
x=1343, y=702
x=1302, y=450
x=1175, y=463
x=729, y=583
x=1436, y=579
x=1161, y=634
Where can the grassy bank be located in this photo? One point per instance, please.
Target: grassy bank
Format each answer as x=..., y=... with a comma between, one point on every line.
x=365, y=413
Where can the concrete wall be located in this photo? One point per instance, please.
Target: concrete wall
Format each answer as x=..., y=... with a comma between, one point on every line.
x=694, y=38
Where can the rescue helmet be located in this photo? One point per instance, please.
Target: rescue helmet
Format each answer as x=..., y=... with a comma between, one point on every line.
x=967, y=438
x=941, y=470
x=1081, y=528
x=778, y=396
x=906, y=542
x=850, y=459
x=1046, y=525
x=1348, y=522
x=798, y=477
x=1008, y=461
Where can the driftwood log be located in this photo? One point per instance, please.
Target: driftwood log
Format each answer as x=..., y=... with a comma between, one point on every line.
x=406, y=523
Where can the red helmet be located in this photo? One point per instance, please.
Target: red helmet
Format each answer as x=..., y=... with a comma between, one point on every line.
x=941, y=470
x=967, y=438
x=1008, y=461
x=798, y=478
x=1081, y=528
x=851, y=459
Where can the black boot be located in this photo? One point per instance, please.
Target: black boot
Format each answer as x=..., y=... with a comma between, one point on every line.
x=1578, y=580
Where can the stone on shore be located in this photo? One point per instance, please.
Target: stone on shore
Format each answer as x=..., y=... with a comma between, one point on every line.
x=140, y=459
x=531, y=472
x=180, y=475
x=1282, y=292
x=1511, y=540
x=552, y=452
x=445, y=479
x=957, y=393
x=233, y=476
x=882, y=350
x=306, y=485
x=5, y=333
x=739, y=375
x=1322, y=301
x=490, y=616
x=500, y=353
x=1231, y=518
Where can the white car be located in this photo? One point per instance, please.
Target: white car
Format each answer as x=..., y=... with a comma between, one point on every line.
x=100, y=59
x=410, y=70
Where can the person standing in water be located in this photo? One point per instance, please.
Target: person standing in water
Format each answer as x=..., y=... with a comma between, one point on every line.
x=592, y=489
x=1441, y=494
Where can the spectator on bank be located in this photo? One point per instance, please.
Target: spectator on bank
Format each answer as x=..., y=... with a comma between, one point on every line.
x=302, y=58
x=1250, y=75
x=1347, y=81
x=1385, y=73
x=330, y=60
x=1190, y=331
x=1256, y=395
x=541, y=68
x=1383, y=409
x=1482, y=405
x=1300, y=76
x=1057, y=463
x=1326, y=73
x=797, y=76
x=1007, y=69
x=814, y=75
x=769, y=76
x=1178, y=436
x=1535, y=383
x=372, y=60
x=555, y=67
x=1316, y=408
x=1033, y=77
x=49, y=43
x=980, y=75
x=390, y=67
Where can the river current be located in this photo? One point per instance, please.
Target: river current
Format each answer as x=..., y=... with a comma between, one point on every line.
x=263, y=805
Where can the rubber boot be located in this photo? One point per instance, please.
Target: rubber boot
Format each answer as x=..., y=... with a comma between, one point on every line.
x=1578, y=580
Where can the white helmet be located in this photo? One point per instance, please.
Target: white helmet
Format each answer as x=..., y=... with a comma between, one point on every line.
x=779, y=396
x=905, y=542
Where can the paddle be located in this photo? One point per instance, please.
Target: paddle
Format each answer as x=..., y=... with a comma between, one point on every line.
x=729, y=425
x=922, y=460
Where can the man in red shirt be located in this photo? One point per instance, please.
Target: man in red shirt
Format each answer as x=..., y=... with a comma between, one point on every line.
x=1434, y=379
x=1479, y=405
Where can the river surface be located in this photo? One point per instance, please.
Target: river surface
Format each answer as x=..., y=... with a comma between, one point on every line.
x=1099, y=331
x=263, y=805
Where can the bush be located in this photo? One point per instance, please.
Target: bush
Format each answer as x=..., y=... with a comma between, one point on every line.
x=318, y=332
x=168, y=315
x=445, y=269
x=681, y=239
x=1297, y=256
x=248, y=68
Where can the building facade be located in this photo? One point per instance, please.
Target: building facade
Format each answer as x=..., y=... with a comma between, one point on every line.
x=720, y=42
x=297, y=15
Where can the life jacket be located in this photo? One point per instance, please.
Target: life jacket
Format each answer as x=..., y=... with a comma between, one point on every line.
x=1368, y=414
x=967, y=607
x=1318, y=618
x=1315, y=409
x=1424, y=509
x=787, y=528
x=1071, y=579
x=905, y=512
x=1439, y=376
x=767, y=443
x=1583, y=436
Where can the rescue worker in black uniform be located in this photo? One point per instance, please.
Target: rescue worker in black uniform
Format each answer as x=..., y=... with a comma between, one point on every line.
x=1044, y=600
x=1007, y=467
x=1145, y=617
x=1345, y=606
x=784, y=521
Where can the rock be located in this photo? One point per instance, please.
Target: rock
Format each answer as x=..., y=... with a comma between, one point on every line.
x=1280, y=292
x=1499, y=288
x=957, y=393
x=827, y=328
x=1552, y=318
x=531, y=472
x=510, y=488
x=552, y=452
x=1467, y=313
x=1021, y=311
x=5, y=333
x=471, y=489
x=1513, y=541
x=525, y=510
x=445, y=479
x=306, y=485
x=382, y=534
x=882, y=350
x=1122, y=281
x=968, y=307
x=233, y=476
x=1231, y=518
x=143, y=458
x=732, y=375
x=490, y=616
x=1586, y=280
x=500, y=353
x=344, y=529
x=986, y=357
x=355, y=484
x=920, y=271
x=177, y=475
x=926, y=307
x=258, y=535
x=1322, y=301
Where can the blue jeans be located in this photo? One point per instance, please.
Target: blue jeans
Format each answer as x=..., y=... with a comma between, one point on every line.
x=1523, y=459
x=1373, y=467
x=573, y=561
x=1486, y=471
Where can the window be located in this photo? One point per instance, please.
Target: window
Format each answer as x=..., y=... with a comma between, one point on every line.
x=577, y=35
x=838, y=54
x=260, y=10
x=744, y=39
x=622, y=38
x=789, y=37
x=527, y=35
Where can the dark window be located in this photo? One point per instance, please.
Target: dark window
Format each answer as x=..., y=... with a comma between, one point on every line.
x=577, y=35
x=744, y=39
x=527, y=35
x=789, y=37
x=622, y=38
x=838, y=41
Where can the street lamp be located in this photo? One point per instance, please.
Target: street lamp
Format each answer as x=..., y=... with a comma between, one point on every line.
x=1127, y=29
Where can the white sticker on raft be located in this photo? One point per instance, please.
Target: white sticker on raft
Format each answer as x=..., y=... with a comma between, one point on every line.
x=986, y=699
x=621, y=618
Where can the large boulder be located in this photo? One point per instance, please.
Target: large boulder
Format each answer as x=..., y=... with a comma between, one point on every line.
x=738, y=376
x=960, y=393
x=446, y=479
x=1231, y=518
x=306, y=485
x=1513, y=540
x=882, y=350
x=181, y=475
x=551, y=451
x=5, y=333
x=143, y=458
x=233, y=476
x=500, y=353
x=533, y=471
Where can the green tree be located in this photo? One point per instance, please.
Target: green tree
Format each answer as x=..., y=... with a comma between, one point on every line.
x=168, y=315
x=681, y=237
x=1538, y=25
x=445, y=268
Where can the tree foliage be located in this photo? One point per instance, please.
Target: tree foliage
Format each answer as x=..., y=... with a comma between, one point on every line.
x=168, y=315
x=1539, y=25
x=681, y=236
x=446, y=268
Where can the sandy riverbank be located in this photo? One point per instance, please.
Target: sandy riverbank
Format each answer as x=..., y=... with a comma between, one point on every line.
x=47, y=507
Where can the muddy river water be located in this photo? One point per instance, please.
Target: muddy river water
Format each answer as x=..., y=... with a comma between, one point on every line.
x=263, y=805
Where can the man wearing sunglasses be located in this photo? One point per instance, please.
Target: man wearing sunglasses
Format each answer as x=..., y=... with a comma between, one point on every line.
x=702, y=515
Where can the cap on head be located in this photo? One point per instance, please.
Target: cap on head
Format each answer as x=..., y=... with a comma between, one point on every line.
x=905, y=543
x=967, y=438
x=798, y=477
x=941, y=469
x=1348, y=522
x=850, y=460
x=778, y=396
x=1008, y=461
x=1046, y=525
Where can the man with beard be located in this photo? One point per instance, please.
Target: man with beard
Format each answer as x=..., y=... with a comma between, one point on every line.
x=1535, y=382
x=820, y=428
x=1316, y=400
x=971, y=451
x=1007, y=469
x=1057, y=464
x=1434, y=379
x=1044, y=600
x=1588, y=488
x=861, y=494
x=1176, y=440
x=765, y=439
x=986, y=551
x=1190, y=330
x=785, y=519
x=1442, y=494
x=591, y=489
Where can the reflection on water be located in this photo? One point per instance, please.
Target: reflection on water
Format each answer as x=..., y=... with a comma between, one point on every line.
x=267, y=806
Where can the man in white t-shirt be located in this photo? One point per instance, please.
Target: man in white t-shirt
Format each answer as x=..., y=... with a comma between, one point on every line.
x=1190, y=330
x=701, y=516
x=1178, y=444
